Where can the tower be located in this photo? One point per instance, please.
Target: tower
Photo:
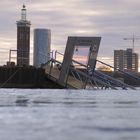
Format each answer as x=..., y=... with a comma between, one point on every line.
x=23, y=39
x=126, y=60
x=42, y=42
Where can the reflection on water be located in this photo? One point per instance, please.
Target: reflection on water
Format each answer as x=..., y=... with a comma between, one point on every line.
x=21, y=101
x=69, y=114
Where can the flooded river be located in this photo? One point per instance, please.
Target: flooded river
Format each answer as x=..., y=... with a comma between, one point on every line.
x=45, y=114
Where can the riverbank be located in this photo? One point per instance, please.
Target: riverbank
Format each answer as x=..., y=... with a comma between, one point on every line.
x=25, y=77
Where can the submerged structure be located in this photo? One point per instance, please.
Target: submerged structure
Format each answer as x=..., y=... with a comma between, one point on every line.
x=75, y=73
x=74, y=43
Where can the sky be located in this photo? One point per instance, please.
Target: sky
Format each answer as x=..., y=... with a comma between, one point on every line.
x=113, y=20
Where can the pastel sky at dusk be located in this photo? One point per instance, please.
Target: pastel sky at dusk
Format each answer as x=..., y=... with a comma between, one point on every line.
x=113, y=20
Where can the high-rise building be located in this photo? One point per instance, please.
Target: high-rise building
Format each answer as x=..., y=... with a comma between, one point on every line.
x=42, y=43
x=23, y=39
x=126, y=60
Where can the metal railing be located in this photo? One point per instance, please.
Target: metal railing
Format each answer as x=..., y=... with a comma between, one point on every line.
x=83, y=78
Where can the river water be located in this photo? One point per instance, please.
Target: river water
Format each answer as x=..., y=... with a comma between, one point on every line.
x=45, y=114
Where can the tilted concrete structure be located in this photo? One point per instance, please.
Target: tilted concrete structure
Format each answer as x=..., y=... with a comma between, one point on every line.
x=92, y=42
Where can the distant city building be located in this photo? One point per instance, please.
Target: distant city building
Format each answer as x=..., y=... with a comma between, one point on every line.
x=23, y=39
x=42, y=43
x=126, y=60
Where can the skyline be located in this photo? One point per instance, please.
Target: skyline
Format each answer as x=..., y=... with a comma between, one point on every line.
x=111, y=20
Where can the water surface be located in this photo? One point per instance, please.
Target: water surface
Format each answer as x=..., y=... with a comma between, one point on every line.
x=42, y=114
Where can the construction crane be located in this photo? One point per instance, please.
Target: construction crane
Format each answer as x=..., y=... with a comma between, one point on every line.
x=133, y=38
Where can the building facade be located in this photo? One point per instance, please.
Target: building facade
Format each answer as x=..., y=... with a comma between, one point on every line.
x=42, y=46
x=126, y=60
x=23, y=39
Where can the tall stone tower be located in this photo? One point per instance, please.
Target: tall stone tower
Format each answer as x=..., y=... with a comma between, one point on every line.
x=23, y=39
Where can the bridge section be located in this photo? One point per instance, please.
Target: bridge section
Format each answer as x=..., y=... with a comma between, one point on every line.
x=71, y=73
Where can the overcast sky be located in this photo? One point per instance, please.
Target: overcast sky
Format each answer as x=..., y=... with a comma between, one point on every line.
x=113, y=20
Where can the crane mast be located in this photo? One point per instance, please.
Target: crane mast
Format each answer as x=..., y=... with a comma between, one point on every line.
x=133, y=38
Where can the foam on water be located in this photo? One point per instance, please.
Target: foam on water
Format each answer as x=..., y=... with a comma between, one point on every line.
x=39, y=114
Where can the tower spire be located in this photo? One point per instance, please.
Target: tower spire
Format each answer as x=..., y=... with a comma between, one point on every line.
x=23, y=13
